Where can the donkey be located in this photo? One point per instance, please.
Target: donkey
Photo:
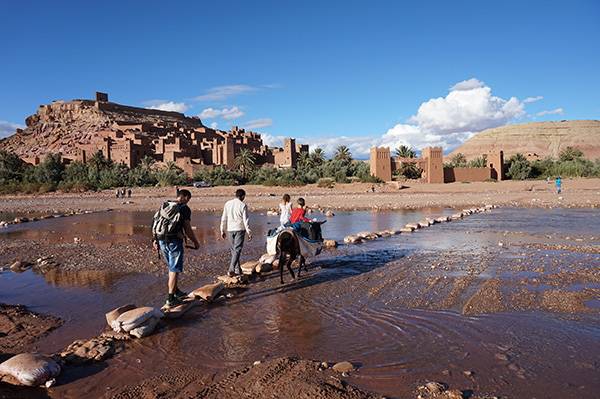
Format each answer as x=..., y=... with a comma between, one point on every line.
x=286, y=248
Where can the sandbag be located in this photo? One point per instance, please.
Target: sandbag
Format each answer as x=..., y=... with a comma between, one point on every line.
x=178, y=311
x=31, y=369
x=114, y=314
x=133, y=318
x=266, y=258
x=264, y=267
x=248, y=267
x=352, y=239
x=144, y=329
x=208, y=292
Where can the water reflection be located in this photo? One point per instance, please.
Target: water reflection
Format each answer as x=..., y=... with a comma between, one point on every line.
x=348, y=306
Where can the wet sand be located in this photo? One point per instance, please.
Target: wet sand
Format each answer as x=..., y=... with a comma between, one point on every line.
x=497, y=280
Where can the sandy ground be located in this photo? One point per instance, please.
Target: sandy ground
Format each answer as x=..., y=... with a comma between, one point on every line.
x=576, y=193
x=299, y=378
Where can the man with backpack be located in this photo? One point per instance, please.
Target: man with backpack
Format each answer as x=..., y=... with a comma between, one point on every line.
x=170, y=226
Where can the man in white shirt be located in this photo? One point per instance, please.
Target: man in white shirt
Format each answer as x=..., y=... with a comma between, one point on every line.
x=234, y=223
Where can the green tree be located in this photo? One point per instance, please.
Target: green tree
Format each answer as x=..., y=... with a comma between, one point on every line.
x=459, y=160
x=50, y=170
x=405, y=151
x=244, y=161
x=318, y=156
x=304, y=160
x=98, y=161
x=342, y=153
x=170, y=175
x=410, y=170
x=76, y=172
x=147, y=163
x=519, y=168
x=479, y=162
x=115, y=175
x=11, y=166
x=569, y=154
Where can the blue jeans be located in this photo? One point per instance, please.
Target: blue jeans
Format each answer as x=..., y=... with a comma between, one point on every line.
x=236, y=243
x=173, y=253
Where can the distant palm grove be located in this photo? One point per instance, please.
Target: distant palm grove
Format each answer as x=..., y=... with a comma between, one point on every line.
x=314, y=167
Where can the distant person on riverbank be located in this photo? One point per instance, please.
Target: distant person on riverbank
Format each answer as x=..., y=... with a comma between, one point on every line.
x=234, y=224
x=558, y=184
x=298, y=212
x=129, y=193
x=285, y=210
x=117, y=193
x=171, y=224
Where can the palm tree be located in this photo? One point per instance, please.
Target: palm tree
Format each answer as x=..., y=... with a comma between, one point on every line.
x=405, y=151
x=480, y=162
x=410, y=170
x=459, y=160
x=305, y=159
x=244, y=160
x=147, y=163
x=569, y=154
x=342, y=153
x=98, y=161
x=172, y=167
x=317, y=156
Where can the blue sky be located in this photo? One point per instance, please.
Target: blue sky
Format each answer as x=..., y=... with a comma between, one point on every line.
x=329, y=73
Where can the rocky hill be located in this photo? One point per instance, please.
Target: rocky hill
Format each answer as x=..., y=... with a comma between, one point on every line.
x=535, y=139
x=57, y=127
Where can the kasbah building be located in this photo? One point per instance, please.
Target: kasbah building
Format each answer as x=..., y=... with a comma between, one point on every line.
x=432, y=166
x=191, y=146
x=172, y=138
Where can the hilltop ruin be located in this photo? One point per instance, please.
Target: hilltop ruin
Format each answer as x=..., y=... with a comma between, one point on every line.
x=77, y=129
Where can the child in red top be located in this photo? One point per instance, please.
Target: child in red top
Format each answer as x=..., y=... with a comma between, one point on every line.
x=298, y=212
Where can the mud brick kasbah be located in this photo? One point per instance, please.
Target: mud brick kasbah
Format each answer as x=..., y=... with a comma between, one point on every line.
x=80, y=128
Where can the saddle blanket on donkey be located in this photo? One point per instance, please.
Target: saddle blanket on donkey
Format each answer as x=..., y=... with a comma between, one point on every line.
x=307, y=247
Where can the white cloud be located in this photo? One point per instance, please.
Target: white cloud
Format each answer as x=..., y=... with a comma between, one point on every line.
x=274, y=141
x=167, y=106
x=558, y=111
x=360, y=147
x=467, y=85
x=225, y=114
x=468, y=109
x=222, y=93
x=259, y=124
x=214, y=125
x=8, y=129
x=532, y=99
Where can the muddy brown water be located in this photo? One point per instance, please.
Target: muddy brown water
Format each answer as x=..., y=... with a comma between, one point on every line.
x=395, y=307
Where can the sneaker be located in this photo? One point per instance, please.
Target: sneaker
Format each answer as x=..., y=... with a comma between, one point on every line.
x=180, y=294
x=174, y=303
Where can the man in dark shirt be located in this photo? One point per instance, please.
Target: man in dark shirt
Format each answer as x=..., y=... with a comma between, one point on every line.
x=172, y=249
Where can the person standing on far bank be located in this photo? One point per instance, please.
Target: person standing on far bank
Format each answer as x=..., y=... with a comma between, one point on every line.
x=234, y=224
x=558, y=184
